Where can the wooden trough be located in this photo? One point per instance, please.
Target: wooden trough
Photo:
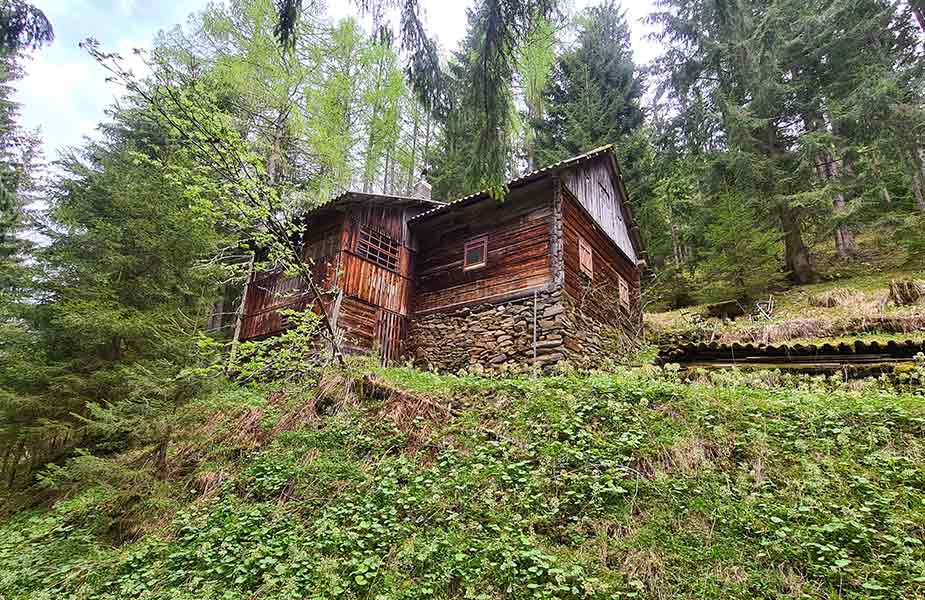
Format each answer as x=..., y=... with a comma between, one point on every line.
x=811, y=357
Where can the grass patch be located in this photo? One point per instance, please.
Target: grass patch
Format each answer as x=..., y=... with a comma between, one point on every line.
x=625, y=485
x=824, y=311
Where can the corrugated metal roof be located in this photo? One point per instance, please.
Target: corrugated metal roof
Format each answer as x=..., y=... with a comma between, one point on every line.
x=364, y=196
x=375, y=196
x=527, y=177
x=736, y=350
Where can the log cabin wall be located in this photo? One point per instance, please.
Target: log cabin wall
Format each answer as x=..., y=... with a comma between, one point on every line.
x=551, y=261
x=598, y=307
x=376, y=278
x=364, y=252
x=270, y=292
x=517, y=235
x=592, y=184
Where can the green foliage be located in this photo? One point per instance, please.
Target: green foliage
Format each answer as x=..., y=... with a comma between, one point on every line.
x=293, y=354
x=632, y=485
x=595, y=92
x=747, y=265
x=23, y=26
x=118, y=293
x=910, y=236
x=135, y=470
x=537, y=59
x=808, y=125
x=19, y=166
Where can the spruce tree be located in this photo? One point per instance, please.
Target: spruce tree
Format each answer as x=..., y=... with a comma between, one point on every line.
x=594, y=97
x=743, y=263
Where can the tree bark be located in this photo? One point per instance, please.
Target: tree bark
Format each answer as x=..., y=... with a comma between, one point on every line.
x=160, y=456
x=845, y=246
x=412, y=164
x=887, y=198
x=917, y=190
x=798, y=259
x=239, y=316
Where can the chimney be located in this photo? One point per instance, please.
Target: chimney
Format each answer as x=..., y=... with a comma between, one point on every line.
x=422, y=188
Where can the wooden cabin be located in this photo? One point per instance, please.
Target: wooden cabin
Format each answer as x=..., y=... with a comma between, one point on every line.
x=360, y=245
x=551, y=273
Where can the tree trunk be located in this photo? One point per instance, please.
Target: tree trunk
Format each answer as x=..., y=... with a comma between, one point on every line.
x=917, y=190
x=798, y=259
x=14, y=464
x=845, y=246
x=160, y=457
x=426, y=154
x=918, y=178
x=239, y=317
x=412, y=164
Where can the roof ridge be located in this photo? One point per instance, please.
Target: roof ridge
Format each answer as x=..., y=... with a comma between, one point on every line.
x=521, y=178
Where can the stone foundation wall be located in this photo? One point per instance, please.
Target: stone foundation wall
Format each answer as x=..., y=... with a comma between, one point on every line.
x=589, y=342
x=492, y=337
x=499, y=337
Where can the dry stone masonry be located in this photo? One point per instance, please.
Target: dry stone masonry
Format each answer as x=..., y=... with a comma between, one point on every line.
x=500, y=337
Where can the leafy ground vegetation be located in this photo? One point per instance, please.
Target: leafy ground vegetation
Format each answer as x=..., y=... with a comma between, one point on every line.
x=132, y=468
x=402, y=484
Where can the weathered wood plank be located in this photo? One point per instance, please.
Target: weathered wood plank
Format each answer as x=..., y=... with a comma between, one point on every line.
x=609, y=265
x=518, y=234
x=592, y=186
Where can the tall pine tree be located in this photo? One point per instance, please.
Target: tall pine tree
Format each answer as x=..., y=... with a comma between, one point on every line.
x=594, y=97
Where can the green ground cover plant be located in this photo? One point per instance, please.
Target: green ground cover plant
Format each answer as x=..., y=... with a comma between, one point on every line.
x=626, y=485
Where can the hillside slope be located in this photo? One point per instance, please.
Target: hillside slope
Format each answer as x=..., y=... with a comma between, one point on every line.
x=854, y=307
x=400, y=484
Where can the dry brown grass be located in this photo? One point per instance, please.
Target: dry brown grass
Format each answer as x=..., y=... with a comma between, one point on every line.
x=244, y=432
x=906, y=292
x=413, y=413
x=210, y=482
x=794, y=582
x=774, y=333
x=689, y=455
x=838, y=297
x=647, y=566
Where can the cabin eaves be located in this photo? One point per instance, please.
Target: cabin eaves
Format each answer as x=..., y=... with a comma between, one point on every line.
x=636, y=252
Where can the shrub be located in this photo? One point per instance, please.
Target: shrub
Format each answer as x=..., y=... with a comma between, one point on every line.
x=295, y=353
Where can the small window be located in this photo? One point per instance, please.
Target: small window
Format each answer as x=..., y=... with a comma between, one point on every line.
x=586, y=258
x=475, y=254
x=624, y=293
x=379, y=248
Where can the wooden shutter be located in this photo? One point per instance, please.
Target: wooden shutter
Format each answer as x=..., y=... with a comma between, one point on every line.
x=586, y=258
x=624, y=293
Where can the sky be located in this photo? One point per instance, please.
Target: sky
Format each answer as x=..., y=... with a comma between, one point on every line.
x=65, y=93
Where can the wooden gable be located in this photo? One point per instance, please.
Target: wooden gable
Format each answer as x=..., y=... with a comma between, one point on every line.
x=595, y=185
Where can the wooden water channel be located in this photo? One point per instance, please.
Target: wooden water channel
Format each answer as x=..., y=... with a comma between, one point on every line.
x=859, y=358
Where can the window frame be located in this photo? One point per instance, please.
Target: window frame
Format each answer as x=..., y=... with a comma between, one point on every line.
x=381, y=249
x=585, y=249
x=624, y=290
x=482, y=241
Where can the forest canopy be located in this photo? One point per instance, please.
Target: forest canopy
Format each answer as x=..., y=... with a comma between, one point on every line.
x=764, y=133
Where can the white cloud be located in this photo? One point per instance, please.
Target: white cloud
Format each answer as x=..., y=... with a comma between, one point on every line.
x=64, y=92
